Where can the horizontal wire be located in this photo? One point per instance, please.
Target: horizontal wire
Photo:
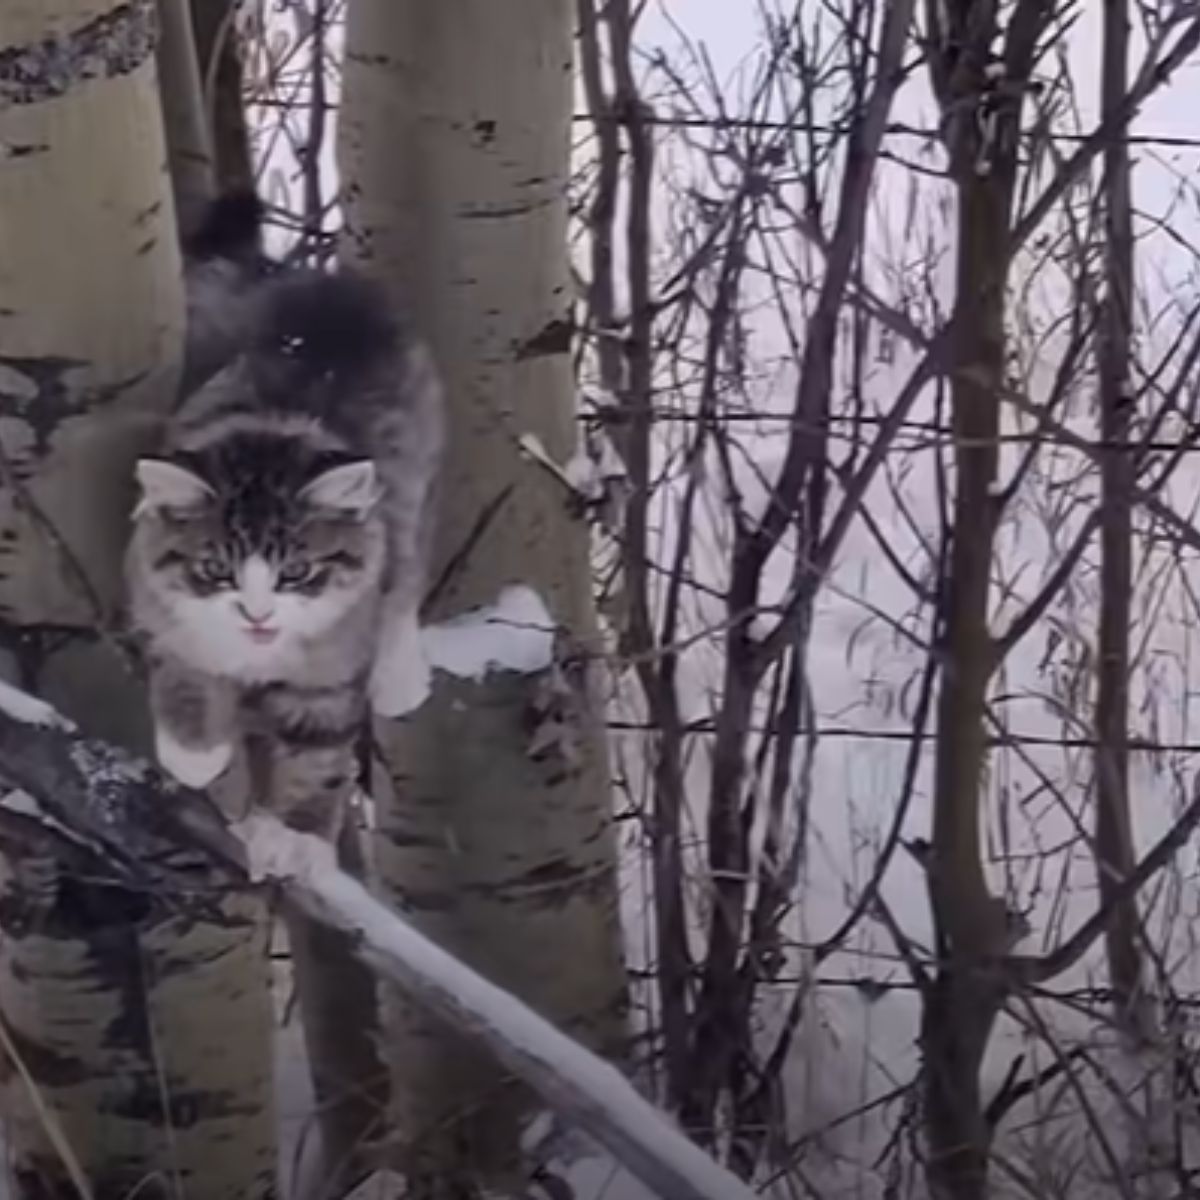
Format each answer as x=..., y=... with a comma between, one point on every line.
x=894, y=129
x=933, y=435
x=846, y=733
x=752, y=124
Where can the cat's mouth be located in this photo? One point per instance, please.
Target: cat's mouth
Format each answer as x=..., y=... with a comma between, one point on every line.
x=262, y=634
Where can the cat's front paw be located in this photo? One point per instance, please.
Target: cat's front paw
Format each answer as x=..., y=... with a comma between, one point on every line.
x=275, y=851
x=400, y=677
x=194, y=767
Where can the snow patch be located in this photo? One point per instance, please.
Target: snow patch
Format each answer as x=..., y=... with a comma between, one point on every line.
x=596, y=468
x=591, y=472
x=514, y=634
x=20, y=803
x=29, y=710
x=532, y=447
x=23, y=804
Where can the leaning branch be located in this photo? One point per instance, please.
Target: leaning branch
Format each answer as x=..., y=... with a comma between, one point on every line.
x=107, y=812
x=1029, y=970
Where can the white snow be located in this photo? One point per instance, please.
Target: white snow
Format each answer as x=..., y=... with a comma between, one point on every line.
x=582, y=474
x=596, y=466
x=516, y=633
x=23, y=804
x=532, y=446
x=589, y=472
x=21, y=706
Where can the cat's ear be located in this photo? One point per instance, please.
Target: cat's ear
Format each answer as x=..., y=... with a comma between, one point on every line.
x=350, y=488
x=165, y=485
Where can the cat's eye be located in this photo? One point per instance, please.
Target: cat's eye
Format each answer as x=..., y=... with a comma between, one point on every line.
x=294, y=574
x=212, y=572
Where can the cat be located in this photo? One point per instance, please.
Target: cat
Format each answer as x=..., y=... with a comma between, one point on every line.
x=224, y=269
x=278, y=554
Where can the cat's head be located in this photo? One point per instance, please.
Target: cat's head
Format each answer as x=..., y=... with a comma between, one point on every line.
x=251, y=554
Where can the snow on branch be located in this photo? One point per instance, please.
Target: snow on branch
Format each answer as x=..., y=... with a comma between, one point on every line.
x=102, y=809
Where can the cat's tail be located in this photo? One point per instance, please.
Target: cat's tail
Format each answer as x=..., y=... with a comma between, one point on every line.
x=323, y=323
x=301, y=321
x=229, y=228
x=224, y=266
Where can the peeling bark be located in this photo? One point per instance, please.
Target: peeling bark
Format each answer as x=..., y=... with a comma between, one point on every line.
x=56, y=55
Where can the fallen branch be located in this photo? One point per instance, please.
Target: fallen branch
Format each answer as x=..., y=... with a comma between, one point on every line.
x=109, y=813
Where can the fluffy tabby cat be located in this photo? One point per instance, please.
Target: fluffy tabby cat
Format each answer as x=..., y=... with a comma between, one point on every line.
x=276, y=564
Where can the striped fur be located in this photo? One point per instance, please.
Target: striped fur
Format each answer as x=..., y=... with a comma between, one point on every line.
x=277, y=560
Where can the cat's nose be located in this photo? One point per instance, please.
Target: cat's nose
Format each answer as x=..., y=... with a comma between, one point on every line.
x=255, y=618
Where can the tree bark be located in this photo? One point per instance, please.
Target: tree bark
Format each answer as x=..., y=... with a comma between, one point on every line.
x=219, y=54
x=962, y=1000
x=340, y=1017
x=112, y=817
x=497, y=839
x=1114, y=833
x=189, y=146
x=147, y=1036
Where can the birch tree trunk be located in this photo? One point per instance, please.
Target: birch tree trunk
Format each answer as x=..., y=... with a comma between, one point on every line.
x=497, y=837
x=146, y=1035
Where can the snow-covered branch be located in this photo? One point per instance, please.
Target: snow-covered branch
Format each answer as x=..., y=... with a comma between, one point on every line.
x=101, y=807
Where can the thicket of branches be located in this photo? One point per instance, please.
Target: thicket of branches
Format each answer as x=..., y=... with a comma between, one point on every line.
x=890, y=326
x=888, y=341
x=891, y=323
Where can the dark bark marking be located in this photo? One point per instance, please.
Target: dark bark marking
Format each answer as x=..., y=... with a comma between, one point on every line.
x=553, y=338
x=549, y=885
x=23, y=149
x=113, y=44
x=49, y=400
x=143, y=1100
x=150, y=213
x=501, y=212
x=46, y=1065
x=404, y=840
x=410, y=900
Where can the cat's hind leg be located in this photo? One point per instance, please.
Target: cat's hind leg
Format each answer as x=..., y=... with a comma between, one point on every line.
x=308, y=738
